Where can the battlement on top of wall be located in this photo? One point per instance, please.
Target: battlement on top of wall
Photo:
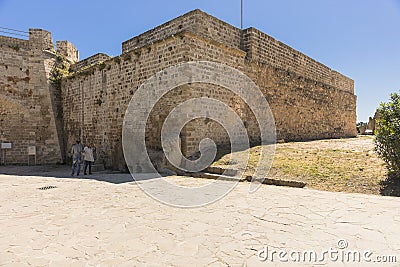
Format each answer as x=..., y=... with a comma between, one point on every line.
x=259, y=46
x=15, y=43
x=263, y=48
x=92, y=60
x=39, y=39
x=197, y=22
x=68, y=50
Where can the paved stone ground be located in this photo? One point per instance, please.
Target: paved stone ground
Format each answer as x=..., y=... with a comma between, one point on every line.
x=107, y=220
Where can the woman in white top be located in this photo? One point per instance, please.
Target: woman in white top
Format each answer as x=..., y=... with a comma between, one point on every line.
x=89, y=159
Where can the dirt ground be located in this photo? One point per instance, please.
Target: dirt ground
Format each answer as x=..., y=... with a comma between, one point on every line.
x=338, y=165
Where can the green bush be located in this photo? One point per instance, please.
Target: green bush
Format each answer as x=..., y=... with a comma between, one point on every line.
x=387, y=142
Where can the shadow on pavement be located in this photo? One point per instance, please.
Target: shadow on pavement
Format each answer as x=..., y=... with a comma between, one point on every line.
x=64, y=171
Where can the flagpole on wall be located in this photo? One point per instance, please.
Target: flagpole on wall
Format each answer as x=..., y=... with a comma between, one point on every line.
x=241, y=14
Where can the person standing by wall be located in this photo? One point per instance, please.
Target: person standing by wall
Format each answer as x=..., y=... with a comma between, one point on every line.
x=76, y=152
x=89, y=159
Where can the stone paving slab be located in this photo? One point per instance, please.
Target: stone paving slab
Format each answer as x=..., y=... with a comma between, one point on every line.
x=98, y=222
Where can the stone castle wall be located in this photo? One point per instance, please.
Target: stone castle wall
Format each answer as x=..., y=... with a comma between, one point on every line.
x=304, y=107
x=308, y=99
x=68, y=50
x=92, y=60
x=196, y=22
x=28, y=103
x=95, y=100
x=261, y=47
x=14, y=43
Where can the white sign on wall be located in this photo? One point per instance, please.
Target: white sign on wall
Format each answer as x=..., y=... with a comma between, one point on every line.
x=6, y=145
x=31, y=150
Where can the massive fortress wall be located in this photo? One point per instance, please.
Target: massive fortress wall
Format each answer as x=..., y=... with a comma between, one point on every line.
x=308, y=99
x=259, y=46
x=95, y=99
x=30, y=107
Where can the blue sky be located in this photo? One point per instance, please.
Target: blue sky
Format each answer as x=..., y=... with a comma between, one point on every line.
x=359, y=38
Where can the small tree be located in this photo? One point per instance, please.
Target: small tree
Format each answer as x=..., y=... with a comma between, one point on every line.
x=387, y=142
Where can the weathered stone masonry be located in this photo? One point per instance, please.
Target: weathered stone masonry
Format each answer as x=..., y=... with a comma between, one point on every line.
x=308, y=99
x=30, y=108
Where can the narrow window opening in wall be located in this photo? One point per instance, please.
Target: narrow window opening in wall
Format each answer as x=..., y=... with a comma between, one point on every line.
x=6, y=67
x=20, y=69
